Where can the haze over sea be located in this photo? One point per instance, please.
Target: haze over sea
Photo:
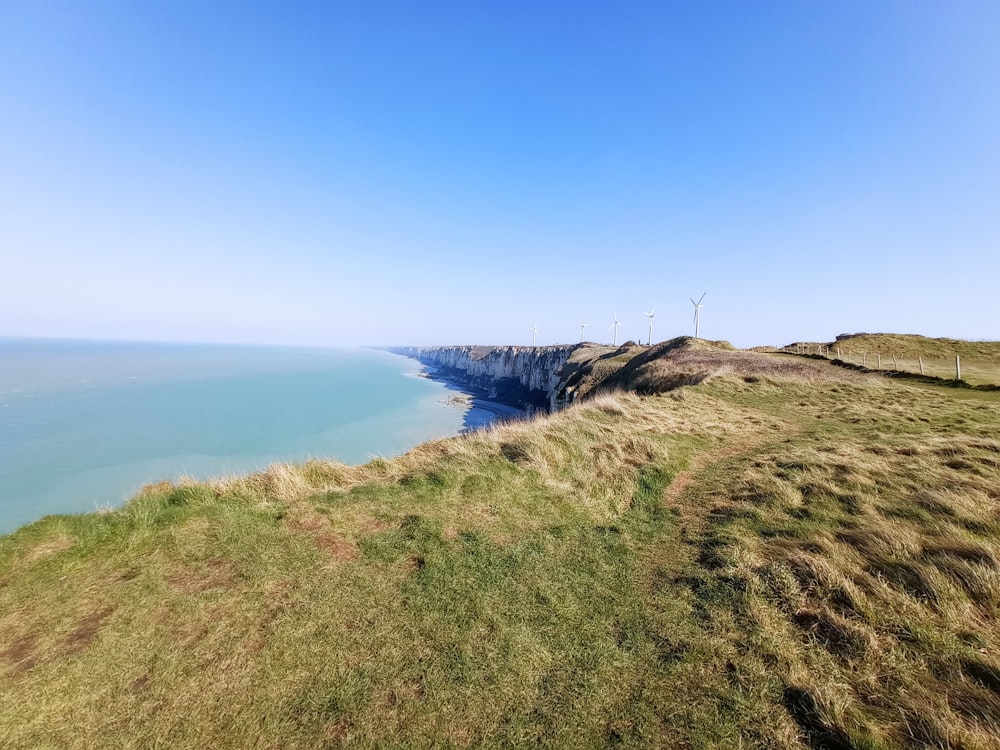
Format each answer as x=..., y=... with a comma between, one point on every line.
x=85, y=424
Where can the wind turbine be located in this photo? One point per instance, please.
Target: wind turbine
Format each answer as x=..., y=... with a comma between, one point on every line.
x=650, y=316
x=697, y=312
x=615, y=326
x=582, y=326
x=534, y=333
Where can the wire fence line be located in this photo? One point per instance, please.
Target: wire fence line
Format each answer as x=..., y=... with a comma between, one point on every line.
x=952, y=367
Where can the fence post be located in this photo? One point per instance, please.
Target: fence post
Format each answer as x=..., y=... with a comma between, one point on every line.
x=921, y=361
x=864, y=359
x=894, y=365
x=958, y=368
x=878, y=361
x=839, y=355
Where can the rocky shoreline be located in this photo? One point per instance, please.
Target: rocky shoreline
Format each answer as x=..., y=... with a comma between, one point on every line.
x=482, y=410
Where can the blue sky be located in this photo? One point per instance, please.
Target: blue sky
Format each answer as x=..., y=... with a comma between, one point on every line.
x=444, y=173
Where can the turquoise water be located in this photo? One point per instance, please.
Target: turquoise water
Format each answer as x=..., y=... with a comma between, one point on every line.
x=84, y=425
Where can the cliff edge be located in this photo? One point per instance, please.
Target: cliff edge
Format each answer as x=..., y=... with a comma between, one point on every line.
x=523, y=376
x=550, y=378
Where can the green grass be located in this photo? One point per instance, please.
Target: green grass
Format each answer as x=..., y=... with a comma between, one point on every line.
x=980, y=360
x=911, y=346
x=787, y=554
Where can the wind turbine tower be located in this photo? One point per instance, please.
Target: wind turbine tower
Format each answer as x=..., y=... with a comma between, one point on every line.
x=534, y=333
x=697, y=312
x=650, y=315
x=582, y=326
x=615, y=325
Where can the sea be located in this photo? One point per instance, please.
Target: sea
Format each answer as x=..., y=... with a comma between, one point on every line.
x=85, y=424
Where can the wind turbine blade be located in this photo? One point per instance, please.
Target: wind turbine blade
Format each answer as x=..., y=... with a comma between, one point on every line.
x=702, y=297
x=692, y=301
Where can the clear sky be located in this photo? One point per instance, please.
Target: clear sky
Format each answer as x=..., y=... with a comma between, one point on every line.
x=340, y=173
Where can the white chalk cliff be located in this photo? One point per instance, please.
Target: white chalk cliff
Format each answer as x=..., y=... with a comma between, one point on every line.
x=524, y=376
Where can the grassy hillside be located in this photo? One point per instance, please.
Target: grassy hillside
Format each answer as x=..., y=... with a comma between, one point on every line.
x=980, y=360
x=781, y=554
x=909, y=345
x=594, y=368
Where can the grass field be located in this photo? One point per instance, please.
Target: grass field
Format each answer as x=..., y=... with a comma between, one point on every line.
x=919, y=355
x=974, y=371
x=910, y=346
x=781, y=553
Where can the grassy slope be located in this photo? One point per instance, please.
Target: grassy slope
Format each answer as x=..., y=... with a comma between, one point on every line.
x=594, y=368
x=980, y=360
x=910, y=345
x=784, y=555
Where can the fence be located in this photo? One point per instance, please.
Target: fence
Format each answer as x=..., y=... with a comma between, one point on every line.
x=949, y=368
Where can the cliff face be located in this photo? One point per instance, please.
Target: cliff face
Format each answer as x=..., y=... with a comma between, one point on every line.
x=553, y=377
x=523, y=376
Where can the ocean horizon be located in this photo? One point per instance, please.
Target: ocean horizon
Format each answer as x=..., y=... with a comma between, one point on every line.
x=85, y=424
